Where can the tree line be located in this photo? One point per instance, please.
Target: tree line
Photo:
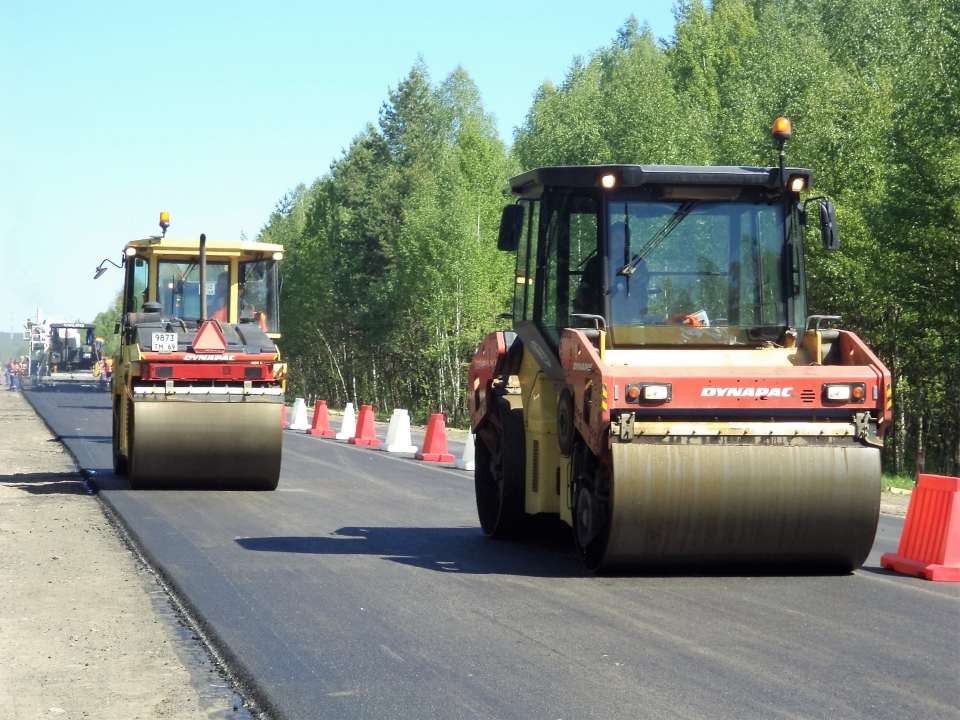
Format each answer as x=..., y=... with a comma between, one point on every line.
x=392, y=276
x=872, y=89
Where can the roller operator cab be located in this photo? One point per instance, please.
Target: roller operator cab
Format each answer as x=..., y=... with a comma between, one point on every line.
x=663, y=390
x=198, y=386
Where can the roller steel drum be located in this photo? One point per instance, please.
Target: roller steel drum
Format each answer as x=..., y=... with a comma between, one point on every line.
x=675, y=504
x=230, y=445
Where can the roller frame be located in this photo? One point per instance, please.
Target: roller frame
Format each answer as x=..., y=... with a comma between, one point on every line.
x=679, y=493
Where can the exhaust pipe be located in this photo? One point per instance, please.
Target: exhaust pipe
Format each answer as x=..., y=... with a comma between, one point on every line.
x=203, y=277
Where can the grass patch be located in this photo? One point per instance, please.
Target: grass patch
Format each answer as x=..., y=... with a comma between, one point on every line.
x=898, y=481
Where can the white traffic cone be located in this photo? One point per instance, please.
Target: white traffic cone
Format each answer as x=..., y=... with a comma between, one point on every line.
x=348, y=427
x=398, y=434
x=299, y=416
x=467, y=462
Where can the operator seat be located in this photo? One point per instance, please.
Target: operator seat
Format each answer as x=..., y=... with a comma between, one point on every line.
x=588, y=298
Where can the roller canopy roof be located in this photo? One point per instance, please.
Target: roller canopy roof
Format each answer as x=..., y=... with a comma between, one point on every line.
x=530, y=182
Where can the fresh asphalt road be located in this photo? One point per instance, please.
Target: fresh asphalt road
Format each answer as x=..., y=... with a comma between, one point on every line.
x=363, y=588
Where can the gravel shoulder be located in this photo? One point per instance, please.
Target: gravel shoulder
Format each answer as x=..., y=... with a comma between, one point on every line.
x=80, y=631
x=892, y=504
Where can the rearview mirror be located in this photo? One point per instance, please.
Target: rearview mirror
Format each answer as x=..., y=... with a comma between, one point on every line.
x=511, y=228
x=828, y=226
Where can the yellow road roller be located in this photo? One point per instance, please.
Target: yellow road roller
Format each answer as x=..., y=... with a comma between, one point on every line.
x=663, y=390
x=197, y=384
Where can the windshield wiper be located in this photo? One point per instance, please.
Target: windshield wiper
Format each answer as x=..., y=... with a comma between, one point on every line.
x=668, y=227
x=178, y=288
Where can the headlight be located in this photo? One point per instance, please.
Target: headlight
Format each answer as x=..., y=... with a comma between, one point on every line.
x=845, y=392
x=656, y=392
x=838, y=393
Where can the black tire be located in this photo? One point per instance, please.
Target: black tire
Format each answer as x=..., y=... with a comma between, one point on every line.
x=119, y=461
x=591, y=512
x=565, y=425
x=500, y=474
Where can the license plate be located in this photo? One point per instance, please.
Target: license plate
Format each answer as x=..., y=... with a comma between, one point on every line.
x=164, y=342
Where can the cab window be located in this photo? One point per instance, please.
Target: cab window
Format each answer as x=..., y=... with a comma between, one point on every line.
x=257, y=293
x=179, y=289
x=137, y=278
x=571, y=281
x=526, y=263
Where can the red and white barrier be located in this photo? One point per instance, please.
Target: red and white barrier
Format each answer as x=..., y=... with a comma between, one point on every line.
x=398, y=434
x=366, y=433
x=321, y=421
x=435, y=443
x=930, y=542
x=348, y=426
x=299, y=415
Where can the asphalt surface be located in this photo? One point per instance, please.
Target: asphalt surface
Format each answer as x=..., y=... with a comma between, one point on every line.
x=363, y=588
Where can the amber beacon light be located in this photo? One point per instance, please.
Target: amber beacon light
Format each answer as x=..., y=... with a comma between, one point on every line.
x=782, y=130
x=164, y=222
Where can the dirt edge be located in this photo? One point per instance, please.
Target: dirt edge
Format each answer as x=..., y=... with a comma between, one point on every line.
x=257, y=701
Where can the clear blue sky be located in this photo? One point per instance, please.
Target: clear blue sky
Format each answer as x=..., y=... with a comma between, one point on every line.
x=113, y=111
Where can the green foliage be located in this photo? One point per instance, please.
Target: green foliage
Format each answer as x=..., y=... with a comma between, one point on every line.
x=106, y=321
x=871, y=87
x=904, y=482
x=392, y=276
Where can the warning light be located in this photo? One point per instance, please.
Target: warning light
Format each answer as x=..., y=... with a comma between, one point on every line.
x=858, y=392
x=164, y=222
x=633, y=393
x=782, y=130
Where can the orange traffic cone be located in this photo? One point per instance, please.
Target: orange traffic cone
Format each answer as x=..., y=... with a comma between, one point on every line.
x=283, y=415
x=321, y=421
x=366, y=433
x=435, y=443
x=930, y=543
